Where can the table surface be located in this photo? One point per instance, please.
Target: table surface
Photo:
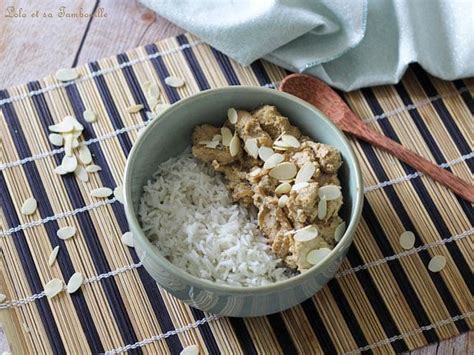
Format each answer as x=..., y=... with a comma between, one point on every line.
x=40, y=37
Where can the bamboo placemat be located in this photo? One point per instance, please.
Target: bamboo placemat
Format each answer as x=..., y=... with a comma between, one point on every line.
x=383, y=300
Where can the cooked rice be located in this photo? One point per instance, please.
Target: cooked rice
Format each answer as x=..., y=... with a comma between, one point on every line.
x=188, y=213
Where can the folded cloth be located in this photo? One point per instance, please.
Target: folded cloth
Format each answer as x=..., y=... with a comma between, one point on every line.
x=347, y=43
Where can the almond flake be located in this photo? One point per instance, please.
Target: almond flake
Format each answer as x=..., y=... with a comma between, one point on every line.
x=330, y=192
x=251, y=147
x=190, y=350
x=282, y=201
x=75, y=142
x=322, y=208
x=315, y=256
x=407, y=240
x=66, y=74
x=265, y=152
x=64, y=126
x=68, y=138
x=232, y=115
x=217, y=138
x=212, y=144
x=159, y=108
x=53, y=287
x=29, y=206
x=306, y=172
x=339, y=232
x=152, y=102
x=255, y=171
x=135, y=108
x=89, y=116
x=56, y=139
x=305, y=234
x=85, y=155
x=234, y=146
x=299, y=186
x=81, y=173
x=283, y=188
x=437, y=263
x=53, y=255
x=93, y=168
x=75, y=282
x=101, y=192
x=280, y=149
x=118, y=193
x=71, y=121
x=2, y=297
x=273, y=161
x=153, y=91
x=290, y=140
x=127, y=239
x=283, y=171
x=280, y=145
x=66, y=232
x=60, y=170
x=174, y=81
x=204, y=142
x=69, y=164
x=226, y=134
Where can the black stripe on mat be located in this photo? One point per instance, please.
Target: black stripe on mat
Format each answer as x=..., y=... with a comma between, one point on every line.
x=28, y=265
x=107, y=179
x=466, y=95
x=318, y=326
x=260, y=73
x=173, y=96
x=442, y=111
x=226, y=67
x=403, y=215
x=91, y=237
x=110, y=107
x=193, y=64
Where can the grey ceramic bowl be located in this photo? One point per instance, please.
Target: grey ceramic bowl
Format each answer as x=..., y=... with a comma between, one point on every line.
x=170, y=134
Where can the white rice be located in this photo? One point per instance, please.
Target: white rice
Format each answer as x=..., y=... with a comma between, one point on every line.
x=188, y=213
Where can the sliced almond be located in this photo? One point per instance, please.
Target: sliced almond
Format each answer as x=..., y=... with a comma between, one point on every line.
x=75, y=282
x=135, y=108
x=75, y=142
x=174, y=81
x=437, y=263
x=127, y=239
x=29, y=206
x=251, y=147
x=306, y=172
x=53, y=287
x=69, y=164
x=283, y=188
x=152, y=102
x=60, y=170
x=283, y=171
x=204, y=142
x=190, y=350
x=89, y=116
x=71, y=121
x=226, y=134
x=290, y=140
x=93, y=168
x=232, y=115
x=64, y=126
x=322, y=208
x=280, y=145
x=153, y=91
x=56, y=139
x=265, y=152
x=217, y=138
x=66, y=74
x=407, y=240
x=3, y=297
x=305, y=234
x=159, y=108
x=118, y=193
x=81, y=173
x=339, y=232
x=212, y=144
x=273, y=161
x=85, y=155
x=299, y=186
x=282, y=201
x=101, y=192
x=234, y=146
x=66, y=232
x=315, y=256
x=330, y=192
x=68, y=138
x=53, y=256
x=280, y=149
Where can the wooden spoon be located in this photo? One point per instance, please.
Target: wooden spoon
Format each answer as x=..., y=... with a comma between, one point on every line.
x=328, y=101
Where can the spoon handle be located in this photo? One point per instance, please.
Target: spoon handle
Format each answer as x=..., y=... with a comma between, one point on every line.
x=444, y=177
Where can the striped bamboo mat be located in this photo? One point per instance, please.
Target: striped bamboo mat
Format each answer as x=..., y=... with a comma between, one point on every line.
x=383, y=300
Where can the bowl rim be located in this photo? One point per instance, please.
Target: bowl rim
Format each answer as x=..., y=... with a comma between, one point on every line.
x=192, y=280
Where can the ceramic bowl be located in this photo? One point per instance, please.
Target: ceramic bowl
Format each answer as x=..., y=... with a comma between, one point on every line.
x=170, y=133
